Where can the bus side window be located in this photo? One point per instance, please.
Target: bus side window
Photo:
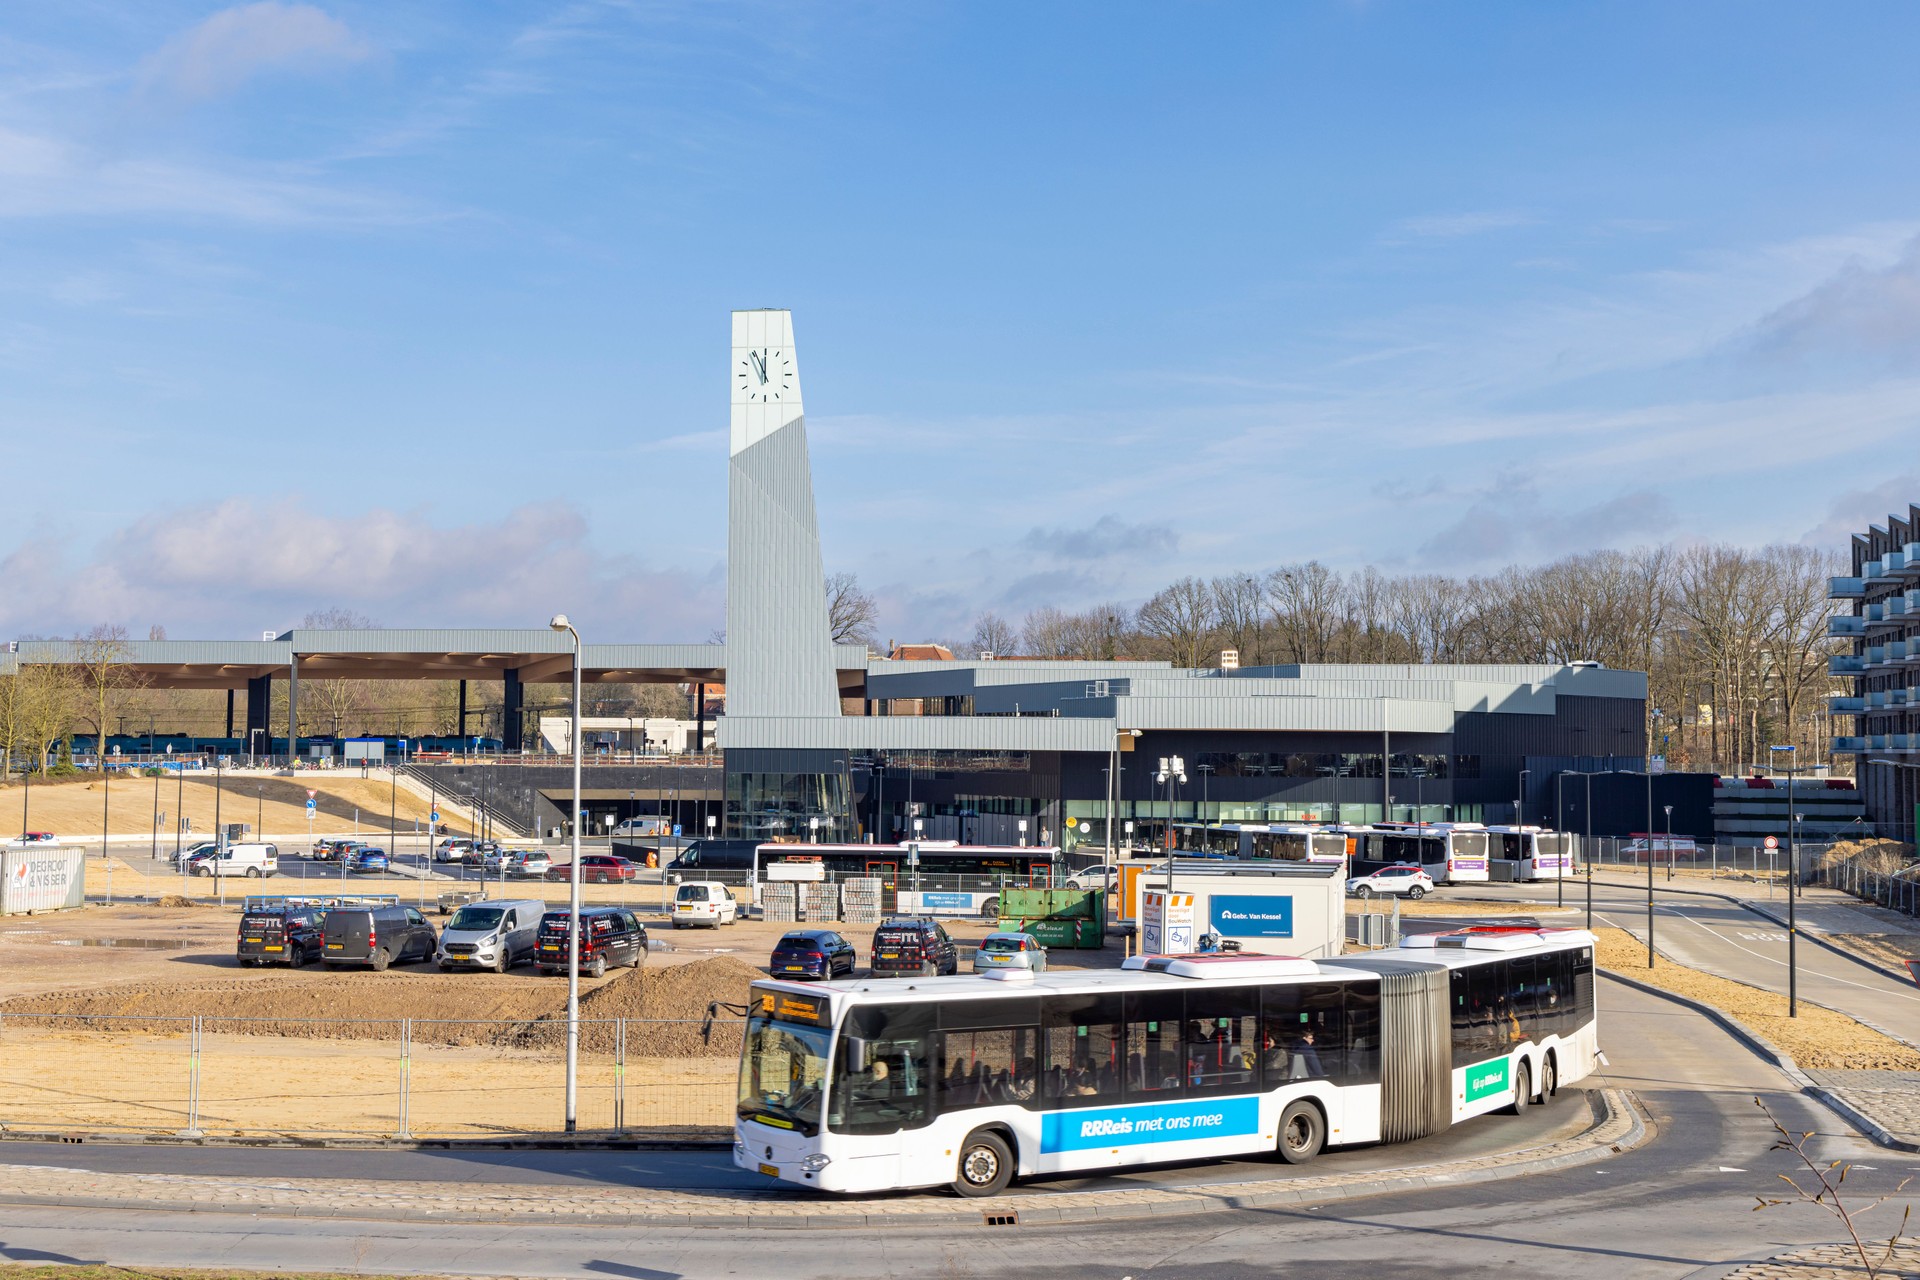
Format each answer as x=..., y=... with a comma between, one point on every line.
x=891, y=1087
x=1080, y=1060
x=1222, y=1050
x=1153, y=1064
x=1363, y=1033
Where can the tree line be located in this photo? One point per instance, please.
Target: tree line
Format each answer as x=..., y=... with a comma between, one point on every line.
x=1734, y=641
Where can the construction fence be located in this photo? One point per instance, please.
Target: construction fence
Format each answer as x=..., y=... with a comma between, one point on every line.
x=409, y=1078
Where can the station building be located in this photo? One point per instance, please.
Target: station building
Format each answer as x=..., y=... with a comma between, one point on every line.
x=830, y=742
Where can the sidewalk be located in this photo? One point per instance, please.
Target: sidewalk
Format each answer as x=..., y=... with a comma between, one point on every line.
x=1616, y=1127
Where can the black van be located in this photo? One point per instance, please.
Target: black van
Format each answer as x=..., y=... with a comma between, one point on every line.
x=283, y=935
x=608, y=936
x=377, y=936
x=709, y=856
x=912, y=945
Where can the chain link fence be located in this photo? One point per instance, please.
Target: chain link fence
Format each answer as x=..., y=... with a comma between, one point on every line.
x=1874, y=875
x=409, y=1078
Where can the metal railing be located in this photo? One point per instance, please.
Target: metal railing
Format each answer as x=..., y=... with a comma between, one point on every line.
x=405, y=1078
x=1873, y=879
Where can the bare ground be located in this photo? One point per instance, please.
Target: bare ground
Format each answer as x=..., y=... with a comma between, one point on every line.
x=73, y=807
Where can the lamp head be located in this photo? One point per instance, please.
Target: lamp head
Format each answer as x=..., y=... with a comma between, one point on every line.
x=560, y=622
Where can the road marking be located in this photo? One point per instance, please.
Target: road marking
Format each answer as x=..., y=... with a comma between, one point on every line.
x=1825, y=977
x=1730, y=1169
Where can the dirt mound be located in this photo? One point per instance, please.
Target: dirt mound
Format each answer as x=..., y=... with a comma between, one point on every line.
x=180, y=900
x=666, y=1008
x=446, y=1009
x=1881, y=856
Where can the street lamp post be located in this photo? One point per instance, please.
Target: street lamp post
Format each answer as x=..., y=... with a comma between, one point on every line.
x=1205, y=771
x=1669, y=812
x=560, y=623
x=1586, y=844
x=1172, y=772
x=1793, y=877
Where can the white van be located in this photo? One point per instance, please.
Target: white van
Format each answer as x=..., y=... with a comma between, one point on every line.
x=250, y=860
x=495, y=934
x=706, y=902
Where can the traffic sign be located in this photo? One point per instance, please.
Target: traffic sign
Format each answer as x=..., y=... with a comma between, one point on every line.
x=1771, y=842
x=312, y=794
x=311, y=806
x=436, y=815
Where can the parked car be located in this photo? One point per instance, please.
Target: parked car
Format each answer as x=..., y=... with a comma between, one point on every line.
x=34, y=837
x=376, y=936
x=328, y=850
x=251, y=860
x=192, y=851
x=813, y=953
x=529, y=865
x=452, y=850
x=290, y=936
x=495, y=935
x=1010, y=951
x=595, y=868
x=609, y=936
x=477, y=853
x=1405, y=879
x=910, y=945
x=365, y=858
x=655, y=826
x=1102, y=877
x=706, y=902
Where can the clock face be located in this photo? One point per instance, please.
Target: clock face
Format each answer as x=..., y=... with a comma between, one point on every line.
x=765, y=376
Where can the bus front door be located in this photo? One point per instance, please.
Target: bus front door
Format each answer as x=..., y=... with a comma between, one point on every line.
x=888, y=874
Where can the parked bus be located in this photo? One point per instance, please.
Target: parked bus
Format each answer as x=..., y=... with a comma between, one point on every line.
x=969, y=1082
x=1529, y=853
x=1278, y=841
x=1449, y=852
x=948, y=879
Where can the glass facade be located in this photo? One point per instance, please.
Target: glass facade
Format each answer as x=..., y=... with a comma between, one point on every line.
x=796, y=806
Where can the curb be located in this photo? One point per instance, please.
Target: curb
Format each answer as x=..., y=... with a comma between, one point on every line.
x=557, y=1142
x=1611, y=1109
x=1880, y=1135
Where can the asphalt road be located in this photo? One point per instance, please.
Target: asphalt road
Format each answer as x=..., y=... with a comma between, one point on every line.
x=1717, y=936
x=1679, y=1206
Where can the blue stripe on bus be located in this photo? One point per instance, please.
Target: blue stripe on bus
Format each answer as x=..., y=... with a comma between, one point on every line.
x=1160, y=1122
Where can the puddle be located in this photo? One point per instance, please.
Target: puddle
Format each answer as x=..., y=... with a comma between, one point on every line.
x=130, y=944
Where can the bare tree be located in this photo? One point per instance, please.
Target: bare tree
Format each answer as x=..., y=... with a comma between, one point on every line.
x=1180, y=620
x=100, y=660
x=991, y=635
x=335, y=703
x=1307, y=602
x=1240, y=610
x=851, y=612
x=1048, y=633
x=1099, y=633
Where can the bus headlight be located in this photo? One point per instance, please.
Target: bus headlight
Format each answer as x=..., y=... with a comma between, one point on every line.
x=739, y=1149
x=815, y=1163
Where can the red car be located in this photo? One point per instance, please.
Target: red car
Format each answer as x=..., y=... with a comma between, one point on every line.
x=595, y=868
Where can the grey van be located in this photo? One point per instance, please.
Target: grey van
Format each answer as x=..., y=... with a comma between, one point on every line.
x=495, y=934
x=376, y=936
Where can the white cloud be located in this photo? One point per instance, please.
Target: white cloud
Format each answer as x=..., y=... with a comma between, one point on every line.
x=236, y=567
x=42, y=176
x=224, y=52
x=1451, y=226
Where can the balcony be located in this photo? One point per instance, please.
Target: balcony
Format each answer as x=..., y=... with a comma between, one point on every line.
x=1845, y=664
x=1874, y=656
x=1845, y=746
x=1847, y=705
x=1846, y=588
x=1911, y=555
x=1885, y=570
x=1847, y=624
x=1901, y=651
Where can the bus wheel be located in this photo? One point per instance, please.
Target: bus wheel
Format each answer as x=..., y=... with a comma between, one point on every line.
x=990, y=909
x=1522, y=1089
x=986, y=1166
x=1302, y=1133
x=1549, y=1079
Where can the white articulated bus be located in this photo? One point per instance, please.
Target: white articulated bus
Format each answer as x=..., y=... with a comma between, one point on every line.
x=968, y=1082
x=1450, y=852
x=1529, y=853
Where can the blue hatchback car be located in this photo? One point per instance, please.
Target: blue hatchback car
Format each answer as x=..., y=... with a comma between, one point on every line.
x=812, y=953
x=367, y=859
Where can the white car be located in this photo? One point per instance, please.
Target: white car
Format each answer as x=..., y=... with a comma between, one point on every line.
x=1407, y=880
x=1095, y=878
x=528, y=866
x=452, y=850
x=706, y=902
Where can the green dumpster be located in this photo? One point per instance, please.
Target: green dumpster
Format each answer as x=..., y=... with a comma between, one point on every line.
x=1075, y=919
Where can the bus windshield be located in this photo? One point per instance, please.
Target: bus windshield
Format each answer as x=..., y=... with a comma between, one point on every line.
x=781, y=1074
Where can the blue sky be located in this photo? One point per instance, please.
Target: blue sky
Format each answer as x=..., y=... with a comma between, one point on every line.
x=420, y=309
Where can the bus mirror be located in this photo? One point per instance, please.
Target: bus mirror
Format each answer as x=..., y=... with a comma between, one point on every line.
x=856, y=1053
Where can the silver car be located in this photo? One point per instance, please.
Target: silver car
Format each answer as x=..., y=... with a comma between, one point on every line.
x=1010, y=951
